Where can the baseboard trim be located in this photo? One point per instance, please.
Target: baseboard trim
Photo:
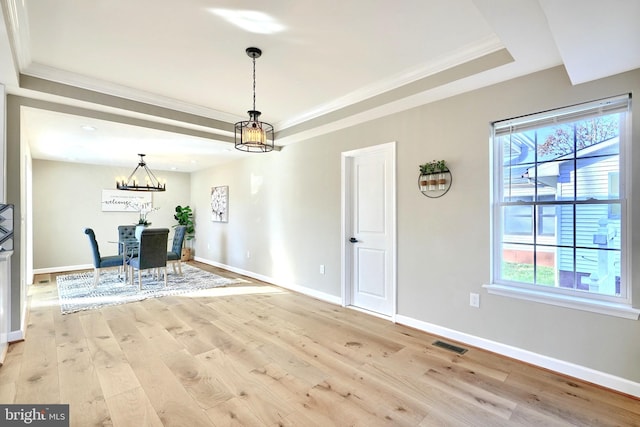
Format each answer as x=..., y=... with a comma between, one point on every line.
x=19, y=335
x=291, y=286
x=4, y=348
x=603, y=379
x=48, y=270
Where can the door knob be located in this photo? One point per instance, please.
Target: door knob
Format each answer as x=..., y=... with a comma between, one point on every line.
x=353, y=240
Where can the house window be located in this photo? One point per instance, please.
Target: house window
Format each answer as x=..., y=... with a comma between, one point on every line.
x=559, y=202
x=518, y=218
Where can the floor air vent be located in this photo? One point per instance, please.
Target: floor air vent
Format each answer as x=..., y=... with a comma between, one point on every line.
x=450, y=347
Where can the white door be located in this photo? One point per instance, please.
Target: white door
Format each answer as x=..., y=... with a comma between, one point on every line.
x=369, y=229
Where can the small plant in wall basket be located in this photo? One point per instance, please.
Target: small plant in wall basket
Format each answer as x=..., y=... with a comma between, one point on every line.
x=426, y=169
x=434, y=176
x=441, y=166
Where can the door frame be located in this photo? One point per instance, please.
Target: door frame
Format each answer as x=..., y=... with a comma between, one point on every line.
x=346, y=226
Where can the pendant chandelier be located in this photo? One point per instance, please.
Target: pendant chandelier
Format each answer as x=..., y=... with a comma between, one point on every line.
x=151, y=182
x=253, y=135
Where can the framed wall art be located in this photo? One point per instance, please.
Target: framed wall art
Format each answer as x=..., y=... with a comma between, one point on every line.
x=220, y=203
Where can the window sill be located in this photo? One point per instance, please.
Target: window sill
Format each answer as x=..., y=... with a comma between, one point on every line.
x=600, y=307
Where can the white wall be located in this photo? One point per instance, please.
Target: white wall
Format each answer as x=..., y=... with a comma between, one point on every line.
x=67, y=198
x=285, y=210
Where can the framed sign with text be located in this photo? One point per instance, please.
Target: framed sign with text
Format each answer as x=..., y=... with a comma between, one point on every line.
x=125, y=201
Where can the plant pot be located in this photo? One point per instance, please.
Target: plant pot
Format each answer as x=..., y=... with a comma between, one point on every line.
x=442, y=181
x=186, y=254
x=423, y=182
x=433, y=181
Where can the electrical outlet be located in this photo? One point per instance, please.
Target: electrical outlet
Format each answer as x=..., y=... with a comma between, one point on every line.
x=248, y=254
x=474, y=300
x=321, y=268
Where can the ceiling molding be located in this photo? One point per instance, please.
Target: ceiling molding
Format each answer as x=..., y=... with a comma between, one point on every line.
x=124, y=104
x=116, y=118
x=95, y=85
x=388, y=102
x=18, y=31
x=451, y=60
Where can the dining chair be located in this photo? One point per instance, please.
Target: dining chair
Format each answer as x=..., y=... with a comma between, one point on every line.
x=152, y=253
x=127, y=238
x=100, y=262
x=175, y=254
x=127, y=243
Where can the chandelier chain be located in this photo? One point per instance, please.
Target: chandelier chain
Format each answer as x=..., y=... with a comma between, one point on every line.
x=254, y=83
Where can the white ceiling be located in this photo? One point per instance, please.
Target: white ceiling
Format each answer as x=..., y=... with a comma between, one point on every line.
x=325, y=65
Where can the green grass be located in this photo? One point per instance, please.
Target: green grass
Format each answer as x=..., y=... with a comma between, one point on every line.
x=524, y=273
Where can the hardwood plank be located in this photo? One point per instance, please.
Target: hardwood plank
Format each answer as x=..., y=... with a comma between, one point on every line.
x=201, y=382
x=234, y=413
x=132, y=409
x=39, y=368
x=157, y=336
x=168, y=397
x=80, y=386
x=379, y=401
x=241, y=380
x=8, y=392
x=444, y=405
x=112, y=367
x=471, y=393
x=554, y=396
x=172, y=403
x=10, y=369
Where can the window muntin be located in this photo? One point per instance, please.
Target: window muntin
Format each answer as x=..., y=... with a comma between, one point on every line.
x=559, y=201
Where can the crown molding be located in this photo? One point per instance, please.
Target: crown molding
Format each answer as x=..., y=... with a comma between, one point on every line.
x=470, y=52
x=18, y=31
x=83, y=82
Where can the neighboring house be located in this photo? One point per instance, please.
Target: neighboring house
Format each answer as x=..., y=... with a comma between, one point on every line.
x=589, y=174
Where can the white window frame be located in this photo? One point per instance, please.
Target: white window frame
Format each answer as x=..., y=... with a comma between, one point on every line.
x=614, y=306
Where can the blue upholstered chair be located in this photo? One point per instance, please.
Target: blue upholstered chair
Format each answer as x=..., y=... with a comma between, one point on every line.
x=127, y=239
x=175, y=254
x=100, y=262
x=152, y=253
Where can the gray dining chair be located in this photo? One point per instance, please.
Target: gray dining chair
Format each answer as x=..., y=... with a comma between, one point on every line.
x=174, y=256
x=152, y=254
x=127, y=239
x=100, y=262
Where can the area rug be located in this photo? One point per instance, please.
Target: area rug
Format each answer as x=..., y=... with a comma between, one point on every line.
x=76, y=291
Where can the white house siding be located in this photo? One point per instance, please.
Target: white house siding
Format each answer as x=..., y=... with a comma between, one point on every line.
x=593, y=181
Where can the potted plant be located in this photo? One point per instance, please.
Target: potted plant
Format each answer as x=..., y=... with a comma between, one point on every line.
x=441, y=167
x=425, y=171
x=143, y=211
x=184, y=216
x=432, y=177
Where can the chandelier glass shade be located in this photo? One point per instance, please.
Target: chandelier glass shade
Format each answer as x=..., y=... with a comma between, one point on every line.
x=253, y=135
x=151, y=183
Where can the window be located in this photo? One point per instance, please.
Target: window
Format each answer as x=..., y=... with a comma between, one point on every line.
x=559, y=202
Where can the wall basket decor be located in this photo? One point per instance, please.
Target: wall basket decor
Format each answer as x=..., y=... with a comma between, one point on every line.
x=434, y=179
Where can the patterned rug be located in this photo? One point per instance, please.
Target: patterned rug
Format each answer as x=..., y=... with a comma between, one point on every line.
x=76, y=291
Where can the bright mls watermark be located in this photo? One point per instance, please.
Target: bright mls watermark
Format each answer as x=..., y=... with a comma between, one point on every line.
x=34, y=415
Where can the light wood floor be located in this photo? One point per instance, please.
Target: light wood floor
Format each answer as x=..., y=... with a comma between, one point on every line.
x=257, y=355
